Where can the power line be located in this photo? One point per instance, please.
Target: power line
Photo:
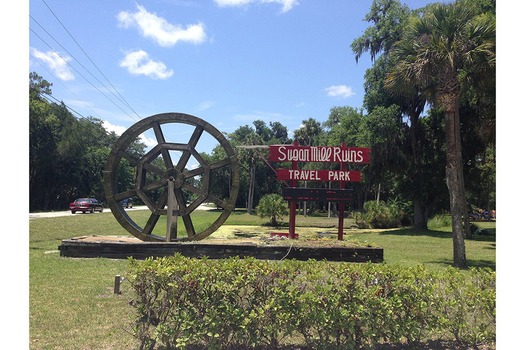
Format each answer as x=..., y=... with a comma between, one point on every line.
x=82, y=75
x=80, y=47
x=115, y=92
x=119, y=97
x=51, y=97
x=71, y=92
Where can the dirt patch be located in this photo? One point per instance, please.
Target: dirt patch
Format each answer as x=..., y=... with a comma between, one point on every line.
x=256, y=235
x=267, y=240
x=123, y=239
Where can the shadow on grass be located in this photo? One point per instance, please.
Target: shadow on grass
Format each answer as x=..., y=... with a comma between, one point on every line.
x=471, y=263
x=482, y=264
x=436, y=234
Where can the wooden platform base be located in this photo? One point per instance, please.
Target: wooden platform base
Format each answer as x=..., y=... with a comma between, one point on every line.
x=115, y=248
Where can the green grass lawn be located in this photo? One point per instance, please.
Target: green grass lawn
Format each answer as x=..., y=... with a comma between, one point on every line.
x=71, y=300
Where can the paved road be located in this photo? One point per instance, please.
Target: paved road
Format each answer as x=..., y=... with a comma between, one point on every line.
x=68, y=213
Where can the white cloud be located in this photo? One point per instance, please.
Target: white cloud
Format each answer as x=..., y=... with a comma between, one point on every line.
x=119, y=130
x=55, y=62
x=160, y=30
x=139, y=63
x=339, y=91
x=300, y=104
x=287, y=5
x=148, y=141
x=232, y=3
x=204, y=105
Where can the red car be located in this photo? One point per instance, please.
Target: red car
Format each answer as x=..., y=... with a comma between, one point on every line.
x=84, y=205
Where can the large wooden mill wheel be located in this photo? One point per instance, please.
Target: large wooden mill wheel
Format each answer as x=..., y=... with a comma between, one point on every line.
x=173, y=178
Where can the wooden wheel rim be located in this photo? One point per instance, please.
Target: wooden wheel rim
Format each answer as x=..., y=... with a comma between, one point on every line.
x=172, y=172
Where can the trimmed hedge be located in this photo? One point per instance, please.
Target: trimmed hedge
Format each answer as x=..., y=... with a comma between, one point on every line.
x=250, y=304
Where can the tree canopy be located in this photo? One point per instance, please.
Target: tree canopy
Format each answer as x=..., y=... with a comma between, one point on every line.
x=66, y=154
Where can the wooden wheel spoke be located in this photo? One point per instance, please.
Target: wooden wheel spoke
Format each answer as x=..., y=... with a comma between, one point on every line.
x=162, y=201
x=181, y=204
x=189, y=187
x=129, y=157
x=154, y=185
x=192, y=173
x=220, y=164
x=152, y=222
x=161, y=140
x=124, y=195
x=154, y=169
x=179, y=207
x=188, y=224
x=194, y=139
x=219, y=202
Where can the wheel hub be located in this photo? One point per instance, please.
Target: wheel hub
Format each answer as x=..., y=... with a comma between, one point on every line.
x=176, y=177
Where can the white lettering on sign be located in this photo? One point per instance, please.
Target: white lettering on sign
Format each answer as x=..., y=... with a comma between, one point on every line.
x=294, y=154
x=319, y=175
x=334, y=175
x=304, y=175
x=319, y=154
x=347, y=155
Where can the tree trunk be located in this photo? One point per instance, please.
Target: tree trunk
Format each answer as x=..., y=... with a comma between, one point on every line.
x=251, y=190
x=420, y=210
x=466, y=218
x=454, y=176
x=420, y=215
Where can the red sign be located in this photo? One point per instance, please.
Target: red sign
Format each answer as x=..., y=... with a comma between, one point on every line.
x=290, y=153
x=319, y=175
x=316, y=194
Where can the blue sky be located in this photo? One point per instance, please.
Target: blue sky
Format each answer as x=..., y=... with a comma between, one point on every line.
x=229, y=62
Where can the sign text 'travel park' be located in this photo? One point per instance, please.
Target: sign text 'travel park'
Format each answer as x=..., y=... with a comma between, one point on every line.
x=319, y=175
x=338, y=154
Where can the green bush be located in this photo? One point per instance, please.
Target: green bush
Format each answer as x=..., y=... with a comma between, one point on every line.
x=247, y=303
x=380, y=214
x=272, y=206
x=439, y=221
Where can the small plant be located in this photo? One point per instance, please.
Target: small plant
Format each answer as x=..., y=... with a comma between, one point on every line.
x=272, y=206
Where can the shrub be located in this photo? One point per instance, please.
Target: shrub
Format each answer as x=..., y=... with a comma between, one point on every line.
x=380, y=214
x=439, y=221
x=272, y=206
x=258, y=304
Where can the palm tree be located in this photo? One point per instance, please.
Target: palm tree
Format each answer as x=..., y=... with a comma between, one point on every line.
x=441, y=52
x=308, y=132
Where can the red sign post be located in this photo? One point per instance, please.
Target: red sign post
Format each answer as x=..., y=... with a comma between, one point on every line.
x=335, y=154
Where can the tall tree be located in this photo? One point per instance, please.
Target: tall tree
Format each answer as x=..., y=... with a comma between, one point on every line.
x=348, y=125
x=308, y=132
x=43, y=137
x=389, y=19
x=440, y=52
x=279, y=133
